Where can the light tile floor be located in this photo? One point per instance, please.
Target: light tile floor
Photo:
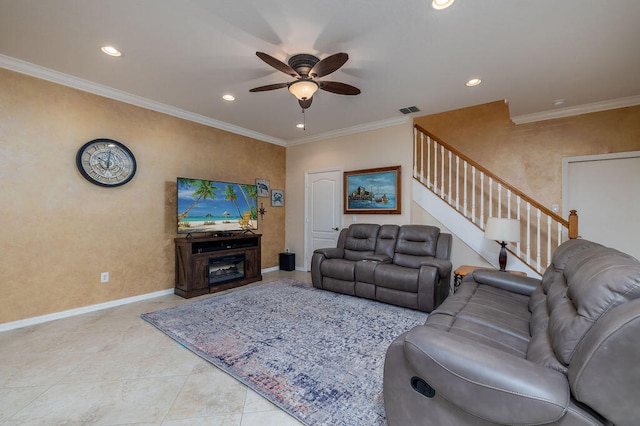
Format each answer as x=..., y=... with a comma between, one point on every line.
x=110, y=367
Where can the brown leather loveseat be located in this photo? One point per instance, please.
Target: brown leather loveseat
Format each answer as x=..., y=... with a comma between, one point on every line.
x=506, y=349
x=404, y=265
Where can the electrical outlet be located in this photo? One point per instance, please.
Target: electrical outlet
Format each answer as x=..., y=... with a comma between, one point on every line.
x=555, y=208
x=104, y=277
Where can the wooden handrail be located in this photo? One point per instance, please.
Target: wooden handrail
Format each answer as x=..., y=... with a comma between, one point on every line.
x=516, y=191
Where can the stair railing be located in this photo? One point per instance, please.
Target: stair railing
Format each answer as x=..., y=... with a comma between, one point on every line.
x=478, y=194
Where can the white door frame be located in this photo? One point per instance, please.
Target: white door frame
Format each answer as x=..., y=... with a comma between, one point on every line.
x=307, y=212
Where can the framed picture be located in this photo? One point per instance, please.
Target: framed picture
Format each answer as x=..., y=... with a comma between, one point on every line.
x=373, y=191
x=277, y=197
x=263, y=187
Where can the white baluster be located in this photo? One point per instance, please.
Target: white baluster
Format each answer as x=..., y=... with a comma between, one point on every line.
x=464, y=182
x=528, y=232
x=457, y=183
x=538, y=248
x=449, y=197
x=508, y=204
x=518, y=199
x=435, y=166
x=490, y=197
x=442, y=193
x=473, y=194
x=559, y=241
x=481, y=200
x=428, y=162
x=499, y=199
x=548, y=239
x=415, y=151
x=422, y=157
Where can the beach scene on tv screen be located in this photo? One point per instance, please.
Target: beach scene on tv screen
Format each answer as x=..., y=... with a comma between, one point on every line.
x=211, y=206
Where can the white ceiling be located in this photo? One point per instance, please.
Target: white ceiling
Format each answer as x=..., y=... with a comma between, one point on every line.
x=187, y=53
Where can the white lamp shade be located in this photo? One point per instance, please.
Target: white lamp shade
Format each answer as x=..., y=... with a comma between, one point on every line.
x=500, y=229
x=303, y=89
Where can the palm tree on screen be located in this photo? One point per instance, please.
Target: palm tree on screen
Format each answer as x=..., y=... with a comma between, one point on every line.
x=203, y=189
x=250, y=193
x=230, y=195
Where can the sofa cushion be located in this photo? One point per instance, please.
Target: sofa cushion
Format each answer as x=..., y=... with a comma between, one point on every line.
x=387, y=238
x=414, y=243
x=597, y=280
x=360, y=241
x=338, y=268
x=485, y=314
x=397, y=277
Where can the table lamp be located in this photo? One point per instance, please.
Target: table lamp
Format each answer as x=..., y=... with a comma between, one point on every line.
x=503, y=231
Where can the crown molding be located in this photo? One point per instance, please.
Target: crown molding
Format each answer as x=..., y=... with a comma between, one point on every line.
x=43, y=73
x=577, y=110
x=351, y=130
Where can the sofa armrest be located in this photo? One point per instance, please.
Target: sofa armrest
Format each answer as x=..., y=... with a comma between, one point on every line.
x=331, y=252
x=443, y=248
x=485, y=381
x=505, y=281
x=380, y=258
x=444, y=266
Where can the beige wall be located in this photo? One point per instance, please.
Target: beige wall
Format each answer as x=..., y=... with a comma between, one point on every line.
x=389, y=146
x=529, y=156
x=58, y=232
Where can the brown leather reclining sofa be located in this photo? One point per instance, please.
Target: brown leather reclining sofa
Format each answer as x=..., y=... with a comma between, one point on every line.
x=404, y=265
x=506, y=349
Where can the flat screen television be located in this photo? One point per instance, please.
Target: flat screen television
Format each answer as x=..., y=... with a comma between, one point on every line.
x=216, y=207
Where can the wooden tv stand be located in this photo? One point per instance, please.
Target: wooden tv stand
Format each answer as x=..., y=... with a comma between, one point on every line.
x=194, y=255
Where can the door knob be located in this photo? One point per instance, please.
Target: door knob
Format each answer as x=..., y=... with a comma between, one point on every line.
x=336, y=228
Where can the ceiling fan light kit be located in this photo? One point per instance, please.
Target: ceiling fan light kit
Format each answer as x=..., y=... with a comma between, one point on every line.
x=441, y=4
x=306, y=68
x=303, y=89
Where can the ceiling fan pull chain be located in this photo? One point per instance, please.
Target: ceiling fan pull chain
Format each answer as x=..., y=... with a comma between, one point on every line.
x=304, y=120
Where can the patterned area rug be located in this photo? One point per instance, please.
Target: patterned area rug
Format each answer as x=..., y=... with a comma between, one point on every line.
x=316, y=354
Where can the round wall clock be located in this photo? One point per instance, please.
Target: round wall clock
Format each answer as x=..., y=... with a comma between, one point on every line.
x=106, y=162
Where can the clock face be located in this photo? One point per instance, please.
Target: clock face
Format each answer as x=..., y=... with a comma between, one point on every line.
x=106, y=162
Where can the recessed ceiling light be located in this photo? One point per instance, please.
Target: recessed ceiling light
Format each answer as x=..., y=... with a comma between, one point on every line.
x=229, y=97
x=473, y=82
x=300, y=126
x=559, y=102
x=441, y=4
x=111, y=51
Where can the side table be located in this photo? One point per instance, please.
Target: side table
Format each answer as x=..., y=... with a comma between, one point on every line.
x=464, y=270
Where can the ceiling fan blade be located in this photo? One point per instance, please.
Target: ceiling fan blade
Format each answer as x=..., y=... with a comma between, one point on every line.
x=328, y=65
x=306, y=103
x=277, y=64
x=338, y=88
x=269, y=87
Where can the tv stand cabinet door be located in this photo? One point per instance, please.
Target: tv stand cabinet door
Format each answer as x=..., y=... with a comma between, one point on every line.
x=252, y=264
x=192, y=272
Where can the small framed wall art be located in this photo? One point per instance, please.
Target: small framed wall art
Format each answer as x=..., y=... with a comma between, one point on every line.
x=373, y=191
x=263, y=187
x=277, y=197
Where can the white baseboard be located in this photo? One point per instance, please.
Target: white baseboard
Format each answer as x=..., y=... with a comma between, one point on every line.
x=92, y=308
x=83, y=310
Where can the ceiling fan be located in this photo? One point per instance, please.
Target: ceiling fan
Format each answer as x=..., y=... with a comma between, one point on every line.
x=306, y=68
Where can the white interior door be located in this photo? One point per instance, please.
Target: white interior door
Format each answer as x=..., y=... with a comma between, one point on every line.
x=604, y=191
x=323, y=216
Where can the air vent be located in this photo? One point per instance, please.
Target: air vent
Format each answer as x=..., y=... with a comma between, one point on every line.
x=409, y=110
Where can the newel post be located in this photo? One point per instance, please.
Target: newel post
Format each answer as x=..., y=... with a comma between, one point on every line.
x=573, y=224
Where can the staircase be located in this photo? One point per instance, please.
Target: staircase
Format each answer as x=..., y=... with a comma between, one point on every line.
x=462, y=195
